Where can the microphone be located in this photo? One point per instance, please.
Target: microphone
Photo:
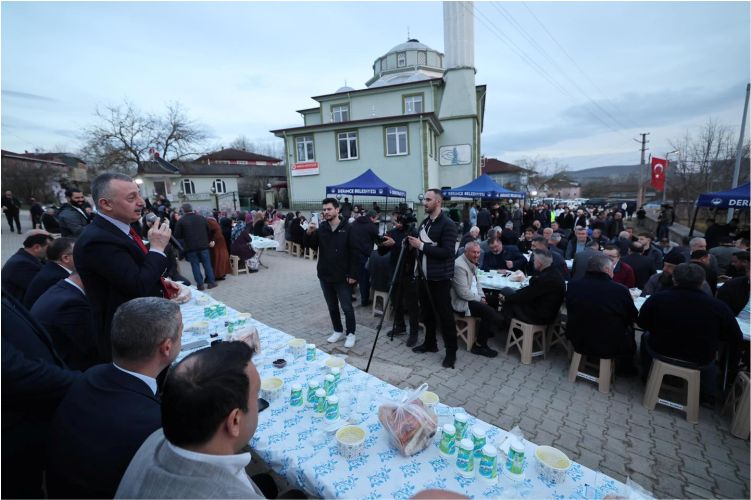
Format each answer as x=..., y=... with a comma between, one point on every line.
x=152, y=218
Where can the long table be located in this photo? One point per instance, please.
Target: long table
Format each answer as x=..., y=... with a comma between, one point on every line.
x=296, y=444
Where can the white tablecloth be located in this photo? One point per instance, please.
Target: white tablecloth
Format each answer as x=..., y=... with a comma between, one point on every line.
x=294, y=443
x=263, y=243
x=495, y=281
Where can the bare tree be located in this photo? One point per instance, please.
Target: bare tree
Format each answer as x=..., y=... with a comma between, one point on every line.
x=124, y=137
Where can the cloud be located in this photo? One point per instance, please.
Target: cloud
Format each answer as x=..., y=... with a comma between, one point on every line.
x=25, y=95
x=648, y=110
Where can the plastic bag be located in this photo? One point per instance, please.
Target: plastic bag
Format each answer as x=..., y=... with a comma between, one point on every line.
x=410, y=424
x=506, y=442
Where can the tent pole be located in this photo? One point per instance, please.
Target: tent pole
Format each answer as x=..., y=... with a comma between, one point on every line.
x=693, y=223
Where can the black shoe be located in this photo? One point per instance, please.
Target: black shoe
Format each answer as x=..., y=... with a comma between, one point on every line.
x=365, y=304
x=449, y=360
x=253, y=270
x=398, y=330
x=212, y=285
x=425, y=348
x=412, y=340
x=483, y=350
x=201, y=287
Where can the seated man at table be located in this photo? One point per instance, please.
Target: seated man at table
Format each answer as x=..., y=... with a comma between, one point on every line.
x=209, y=414
x=622, y=272
x=581, y=259
x=701, y=258
x=538, y=303
x=540, y=243
x=735, y=294
x=504, y=259
x=577, y=244
x=467, y=298
x=686, y=324
x=109, y=413
x=643, y=266
x=601, y=314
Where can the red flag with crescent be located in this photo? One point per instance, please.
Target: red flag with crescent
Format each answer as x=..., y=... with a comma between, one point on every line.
x=659, y=167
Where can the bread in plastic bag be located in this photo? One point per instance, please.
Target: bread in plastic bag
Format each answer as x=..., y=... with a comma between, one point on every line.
x=410, y=424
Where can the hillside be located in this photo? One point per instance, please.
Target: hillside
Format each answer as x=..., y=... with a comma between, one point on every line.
x=613, y=172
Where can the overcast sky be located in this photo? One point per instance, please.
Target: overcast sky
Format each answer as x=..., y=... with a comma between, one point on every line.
x=575, y=82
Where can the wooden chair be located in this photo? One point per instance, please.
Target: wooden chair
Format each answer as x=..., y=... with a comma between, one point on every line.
x=466, y=329
x=238, y=265
x=737, y=404
x=604, y=369
x=692, y=376
x=524, y=336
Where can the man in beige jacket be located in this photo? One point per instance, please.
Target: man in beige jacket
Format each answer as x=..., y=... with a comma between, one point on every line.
x=467, y=298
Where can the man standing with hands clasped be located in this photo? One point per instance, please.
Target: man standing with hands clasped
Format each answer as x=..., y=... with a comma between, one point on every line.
x=111, y=258
x=436, y=243
x=337, y=268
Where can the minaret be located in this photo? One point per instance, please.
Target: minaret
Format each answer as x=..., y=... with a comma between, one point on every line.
x=459, y=98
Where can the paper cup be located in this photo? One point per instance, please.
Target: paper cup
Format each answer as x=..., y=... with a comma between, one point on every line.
x=350, y=440
x=335, y=362
x=429, y=399
x=297, y=347
x=552, y=463
x=271, y=388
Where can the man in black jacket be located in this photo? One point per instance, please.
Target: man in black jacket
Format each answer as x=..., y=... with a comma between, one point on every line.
x=337, y=268
x=72, y=215
x=34, y=381
x=735, y=294
x=643, y=266
x=59, y=265
x=436, y=242
x=538, y=303
x=601, y=314
x=502, y=258
x=114, y=407
x=194, y=229
x=363, y=233
x=685, y=323
x=12, y=210
x=24, y=265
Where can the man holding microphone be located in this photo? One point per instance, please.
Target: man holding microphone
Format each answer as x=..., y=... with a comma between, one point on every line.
x=436, y=246
x=111, y=258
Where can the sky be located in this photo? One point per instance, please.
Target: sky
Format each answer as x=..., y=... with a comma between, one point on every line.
x=572, y=82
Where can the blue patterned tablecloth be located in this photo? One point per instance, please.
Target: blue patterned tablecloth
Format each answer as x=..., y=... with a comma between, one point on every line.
x=296, y=444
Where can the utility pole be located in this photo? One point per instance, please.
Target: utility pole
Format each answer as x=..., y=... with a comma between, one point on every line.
x=640, y=192
x=737, y=170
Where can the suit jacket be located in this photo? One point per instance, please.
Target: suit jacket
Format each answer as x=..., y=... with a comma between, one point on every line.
x=18, y=272
x=489, y=260
x=542, y=299
x=65, y=313
x=461, y=285
x=581, y=261
x=51, y=273
x=643, y=267
x=114, y=270
x=156, y=471
x=600, y=313
x=735, y=294
x=72, y=220
x=98, y=427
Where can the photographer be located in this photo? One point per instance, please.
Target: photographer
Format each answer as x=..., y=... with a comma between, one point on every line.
x=337, y=268
x=405, y=289
x=436, y=242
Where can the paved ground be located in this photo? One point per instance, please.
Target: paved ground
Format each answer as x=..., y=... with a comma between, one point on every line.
x=611, y=433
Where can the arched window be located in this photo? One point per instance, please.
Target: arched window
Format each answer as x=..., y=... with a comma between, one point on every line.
x=188, y=186
x=219, y=186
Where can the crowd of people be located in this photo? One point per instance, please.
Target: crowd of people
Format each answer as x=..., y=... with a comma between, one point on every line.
x=89, y=335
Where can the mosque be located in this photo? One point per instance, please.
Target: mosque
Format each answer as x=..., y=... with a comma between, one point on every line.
x=416, y=124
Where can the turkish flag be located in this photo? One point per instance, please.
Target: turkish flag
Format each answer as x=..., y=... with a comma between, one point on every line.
x=659, y=168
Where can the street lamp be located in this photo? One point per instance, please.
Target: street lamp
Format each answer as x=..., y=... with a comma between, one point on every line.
x=667, y=168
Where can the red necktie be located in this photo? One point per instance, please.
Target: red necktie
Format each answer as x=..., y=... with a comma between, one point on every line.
x=138, y=240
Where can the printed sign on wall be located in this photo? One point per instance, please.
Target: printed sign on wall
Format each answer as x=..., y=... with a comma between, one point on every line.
x=305, y=168
x=459, y=154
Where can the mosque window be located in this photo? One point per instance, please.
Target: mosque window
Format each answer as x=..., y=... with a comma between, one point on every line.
x=305, y=149
x=401, y=59
x=347, y=142
x=412, y=104
x=340, y=113
x=396, y=141
x=219, y=186
x=422, y=57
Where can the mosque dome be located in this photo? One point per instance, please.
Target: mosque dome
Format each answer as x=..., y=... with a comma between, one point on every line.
x=406, y=62
x=344, y=89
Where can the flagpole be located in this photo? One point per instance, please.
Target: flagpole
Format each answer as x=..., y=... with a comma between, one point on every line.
x=739, y=150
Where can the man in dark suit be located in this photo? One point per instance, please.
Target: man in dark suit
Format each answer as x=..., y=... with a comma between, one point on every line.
x=499, y=258
x=108, y=414
x=59, y=265
x=194, y=229
x=601, y=314
x=643, y=266
x=539, y=302
x=24, y=265
x=735, y=294
x=12, y=210
x=581, y=259
x=72, y=215
x=65, y=312
x=111, y=258
x=34, y=381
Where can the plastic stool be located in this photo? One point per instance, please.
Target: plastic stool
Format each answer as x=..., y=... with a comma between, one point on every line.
x=379, y=303
x=654, y=383
x=738, y=405
x=466, y=329
x=556, y=335
x=605, y=372
x=524, y=340
x=238, y=265
x=311, y=254
x=296, y=250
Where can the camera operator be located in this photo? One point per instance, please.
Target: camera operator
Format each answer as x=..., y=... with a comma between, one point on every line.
x=405, y=288
x=436, y=242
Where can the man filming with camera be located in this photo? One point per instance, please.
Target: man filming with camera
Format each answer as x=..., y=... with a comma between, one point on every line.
x=436, y=242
